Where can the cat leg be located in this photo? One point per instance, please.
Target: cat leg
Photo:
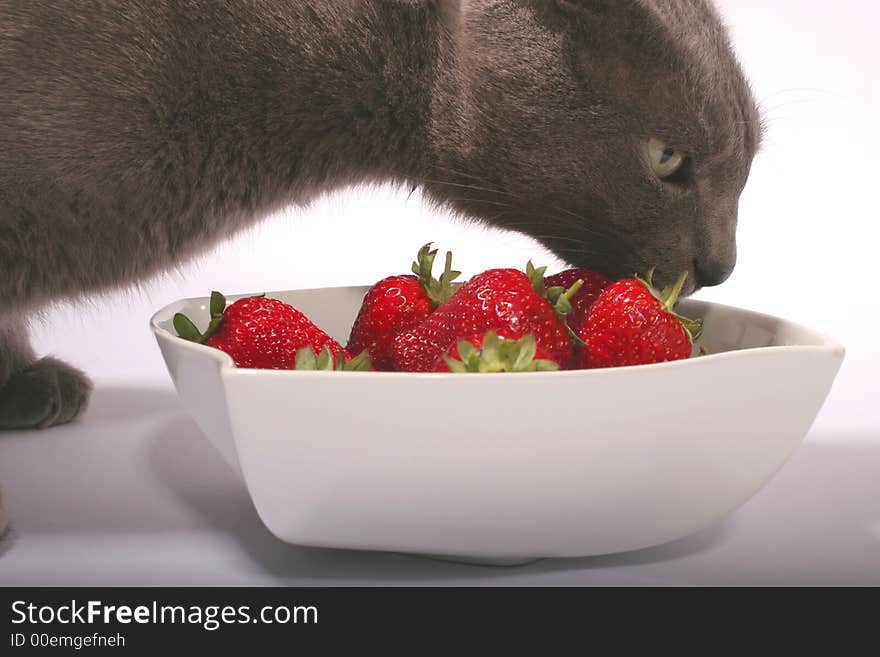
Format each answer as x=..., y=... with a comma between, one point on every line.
x=36, y=393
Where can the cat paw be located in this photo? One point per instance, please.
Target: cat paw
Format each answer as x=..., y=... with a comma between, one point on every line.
x=44, y=394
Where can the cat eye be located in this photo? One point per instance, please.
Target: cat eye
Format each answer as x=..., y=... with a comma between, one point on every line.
x=665, y=161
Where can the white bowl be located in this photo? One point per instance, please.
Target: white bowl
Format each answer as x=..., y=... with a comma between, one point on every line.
x=506, y=467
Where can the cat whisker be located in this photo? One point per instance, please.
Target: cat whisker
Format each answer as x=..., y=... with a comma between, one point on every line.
x=812, y=90
x=790, y=103
x=483, y=182
x=548, y=222
x=409, y=178
x=482, y=201
x=582, y=244
x=612, y=233
x=459, y=185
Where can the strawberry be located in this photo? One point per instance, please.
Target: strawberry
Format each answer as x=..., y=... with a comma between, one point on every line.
x=594, y=283
x=494, y=352
x=632, y=323
x=267, y=334
x=399, y=303
x=499, y=299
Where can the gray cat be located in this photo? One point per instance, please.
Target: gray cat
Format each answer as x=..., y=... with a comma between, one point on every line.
x=136, y=133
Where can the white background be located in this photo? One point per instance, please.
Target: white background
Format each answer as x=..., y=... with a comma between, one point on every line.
x=808, y=240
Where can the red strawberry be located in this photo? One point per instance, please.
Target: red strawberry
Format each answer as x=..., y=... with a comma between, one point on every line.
x=499, y=299
x=594, y=283
x=265, y=333
x=400, y=303
x=495, y=352
x=632, y=323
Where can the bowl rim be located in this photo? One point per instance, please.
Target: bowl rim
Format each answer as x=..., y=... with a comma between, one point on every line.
x=828, y=345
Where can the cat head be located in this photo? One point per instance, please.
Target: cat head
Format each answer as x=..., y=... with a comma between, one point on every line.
x=617, y=133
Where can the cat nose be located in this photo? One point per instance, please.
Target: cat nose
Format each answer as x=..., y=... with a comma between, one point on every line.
x=711, y=272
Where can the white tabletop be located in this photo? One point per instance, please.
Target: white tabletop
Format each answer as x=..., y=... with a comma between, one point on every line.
x=133, y=494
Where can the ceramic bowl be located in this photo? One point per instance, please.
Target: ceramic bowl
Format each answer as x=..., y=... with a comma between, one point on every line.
x=505, y=468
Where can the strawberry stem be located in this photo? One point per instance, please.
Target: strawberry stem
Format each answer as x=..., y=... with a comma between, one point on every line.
x=438, y=291
x=445, y=287
x=669, y=297
x=577, y=285
x=672, y=296
x=560, y=298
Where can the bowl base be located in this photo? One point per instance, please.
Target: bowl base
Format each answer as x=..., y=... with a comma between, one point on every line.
x=479, y=561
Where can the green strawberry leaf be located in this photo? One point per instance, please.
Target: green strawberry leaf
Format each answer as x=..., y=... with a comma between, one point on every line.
x=306, y=359
x=186, y=329
x=325, y=360
x=523, y=352
x=360, y=363
x=536, y=278
x=218, y=304
x=455, y=366
x=438, y=290
x=497, y=355
x=424, y=264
